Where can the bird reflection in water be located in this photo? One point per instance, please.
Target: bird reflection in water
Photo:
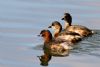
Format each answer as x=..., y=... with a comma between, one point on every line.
x=44, y=59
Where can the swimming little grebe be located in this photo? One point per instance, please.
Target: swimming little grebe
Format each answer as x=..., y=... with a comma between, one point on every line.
x=57, y=47
x=82, y=30
x=67, y=35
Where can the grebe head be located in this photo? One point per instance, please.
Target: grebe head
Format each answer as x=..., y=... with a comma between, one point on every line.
x=67, y=17
x=56, y=26
x=46, y=34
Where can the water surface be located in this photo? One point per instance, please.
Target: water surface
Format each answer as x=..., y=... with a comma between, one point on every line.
x=22, y=20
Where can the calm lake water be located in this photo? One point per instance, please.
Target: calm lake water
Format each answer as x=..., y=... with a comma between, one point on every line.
x=22, y=20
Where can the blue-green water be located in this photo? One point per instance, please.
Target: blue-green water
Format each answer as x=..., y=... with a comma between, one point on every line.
x=22, y=20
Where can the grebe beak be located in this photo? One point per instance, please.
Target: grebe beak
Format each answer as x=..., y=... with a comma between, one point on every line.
x=62, y=19
x=50, y=27
x=39, y=35
x=39, y=57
